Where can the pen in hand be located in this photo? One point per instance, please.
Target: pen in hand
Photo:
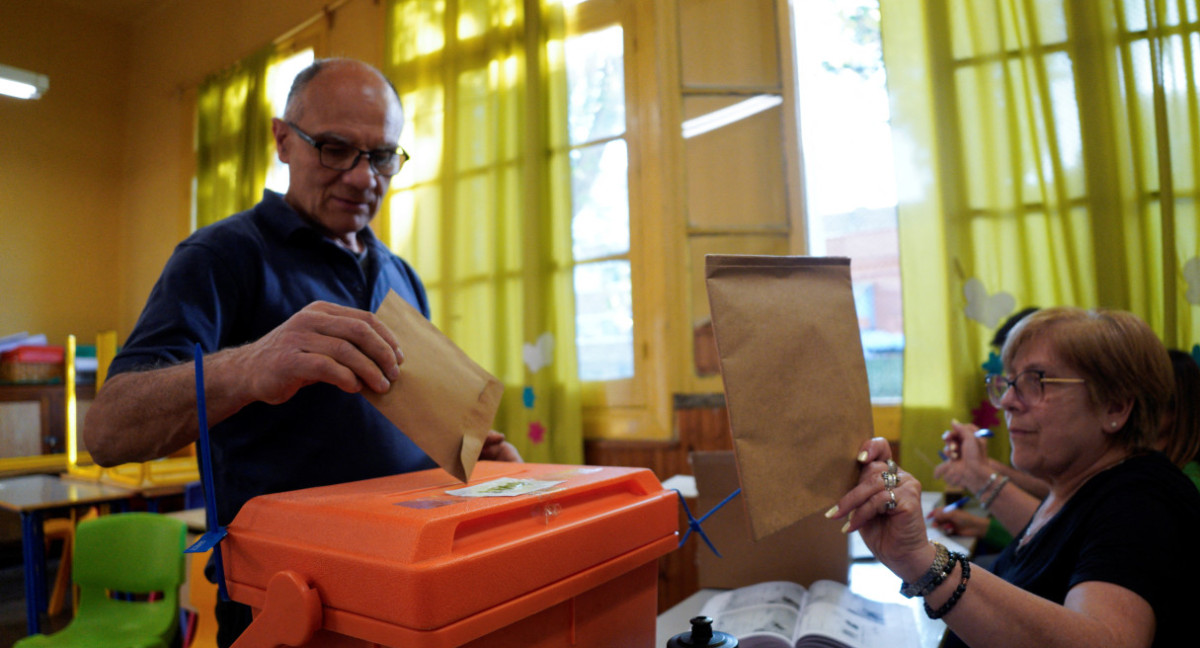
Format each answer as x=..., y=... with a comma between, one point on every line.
x=952, y=506
x=955, y=505
x=982, y=433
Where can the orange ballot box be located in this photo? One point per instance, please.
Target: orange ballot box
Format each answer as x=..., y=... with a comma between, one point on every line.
x=524, y=555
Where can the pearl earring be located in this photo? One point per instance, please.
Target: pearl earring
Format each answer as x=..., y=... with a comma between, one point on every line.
x=1114, y=424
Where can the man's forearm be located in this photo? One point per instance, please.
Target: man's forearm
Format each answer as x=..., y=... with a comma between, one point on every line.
x=143, y=415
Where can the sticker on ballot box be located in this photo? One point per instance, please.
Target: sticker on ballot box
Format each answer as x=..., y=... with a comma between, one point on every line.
x=504, y=487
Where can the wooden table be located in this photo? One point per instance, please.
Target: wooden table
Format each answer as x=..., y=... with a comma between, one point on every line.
x=866, y=577
x=33, y=495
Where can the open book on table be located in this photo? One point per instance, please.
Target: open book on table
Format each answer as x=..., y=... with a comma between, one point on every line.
x=780, y=614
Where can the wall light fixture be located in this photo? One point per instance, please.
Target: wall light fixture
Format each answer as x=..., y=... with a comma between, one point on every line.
x=22, y=84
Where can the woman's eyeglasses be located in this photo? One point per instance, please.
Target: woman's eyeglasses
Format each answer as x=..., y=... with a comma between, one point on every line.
x=1030, y=386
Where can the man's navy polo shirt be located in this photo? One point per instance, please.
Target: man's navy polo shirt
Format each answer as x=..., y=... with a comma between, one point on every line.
x=231, y=283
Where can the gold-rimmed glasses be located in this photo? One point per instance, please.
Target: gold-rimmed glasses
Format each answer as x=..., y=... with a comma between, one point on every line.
x=1030, y=386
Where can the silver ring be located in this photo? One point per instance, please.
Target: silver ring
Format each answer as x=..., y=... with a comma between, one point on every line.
x=892, y=467
x=890, y=505
x=890, y=480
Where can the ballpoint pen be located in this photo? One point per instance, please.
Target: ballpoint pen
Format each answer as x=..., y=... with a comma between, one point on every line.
x=956, y=504
x=952, y=506
x=981, y=433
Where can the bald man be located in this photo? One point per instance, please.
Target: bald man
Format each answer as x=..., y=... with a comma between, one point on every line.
x=280, y=298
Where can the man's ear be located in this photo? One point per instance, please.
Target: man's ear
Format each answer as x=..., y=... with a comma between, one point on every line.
x=280, y=130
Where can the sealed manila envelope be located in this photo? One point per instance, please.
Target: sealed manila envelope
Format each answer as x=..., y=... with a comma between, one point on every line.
x=795, y=381
x=443, y=401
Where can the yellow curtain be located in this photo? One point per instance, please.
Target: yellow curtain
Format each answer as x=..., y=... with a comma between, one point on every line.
x=483, y=209
x=1048, y=154
x=233, y=138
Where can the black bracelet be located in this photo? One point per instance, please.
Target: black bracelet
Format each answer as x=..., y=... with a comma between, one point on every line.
x=937, y=572
x=958, y=591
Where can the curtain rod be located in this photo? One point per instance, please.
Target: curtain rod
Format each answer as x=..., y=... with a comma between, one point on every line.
x=326, y=13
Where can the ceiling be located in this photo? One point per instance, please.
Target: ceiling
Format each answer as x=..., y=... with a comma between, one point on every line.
x=119, y=11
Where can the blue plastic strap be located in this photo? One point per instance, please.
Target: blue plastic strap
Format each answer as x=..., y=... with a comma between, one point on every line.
x=216, y=532
x=694, y=524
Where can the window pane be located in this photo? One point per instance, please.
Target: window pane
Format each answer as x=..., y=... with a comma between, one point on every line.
x=596, y=83
x=849, y=182
x=279, y=82
x=600, y=200
x=604, y=320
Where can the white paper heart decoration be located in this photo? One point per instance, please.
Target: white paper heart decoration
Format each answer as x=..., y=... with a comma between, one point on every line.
x=540, y=353
x=986, y=309
x=1191, y=272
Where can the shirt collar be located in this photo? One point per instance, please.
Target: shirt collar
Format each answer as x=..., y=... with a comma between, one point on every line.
x=286, y=222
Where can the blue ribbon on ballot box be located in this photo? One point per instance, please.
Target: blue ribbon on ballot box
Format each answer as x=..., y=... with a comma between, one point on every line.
x=694, y=524
x=215, y=532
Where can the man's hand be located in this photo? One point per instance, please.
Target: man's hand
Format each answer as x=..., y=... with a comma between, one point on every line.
x=495, y=448
x=323, y=342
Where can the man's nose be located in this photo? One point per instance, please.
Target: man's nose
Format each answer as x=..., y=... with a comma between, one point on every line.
x=361, y=174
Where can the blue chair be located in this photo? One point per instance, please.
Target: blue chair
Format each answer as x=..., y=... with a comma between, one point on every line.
x=129, y=567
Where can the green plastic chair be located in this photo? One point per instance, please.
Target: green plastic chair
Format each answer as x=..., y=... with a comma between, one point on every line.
x=139, y=556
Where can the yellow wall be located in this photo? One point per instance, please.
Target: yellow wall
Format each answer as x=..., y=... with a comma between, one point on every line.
x=95, y=176
x=60, y=172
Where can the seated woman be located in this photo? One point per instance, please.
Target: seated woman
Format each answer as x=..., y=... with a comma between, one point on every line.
x=1179, y=440
x=1106, y=558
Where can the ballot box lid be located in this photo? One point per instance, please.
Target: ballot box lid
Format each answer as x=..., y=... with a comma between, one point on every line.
x=406, y=551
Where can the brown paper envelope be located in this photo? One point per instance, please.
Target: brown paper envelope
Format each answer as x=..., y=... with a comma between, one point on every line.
x=443, y=401
x=795, y=381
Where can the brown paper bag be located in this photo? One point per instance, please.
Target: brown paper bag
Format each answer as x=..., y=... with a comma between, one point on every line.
x=795, y=381
x=443, y=401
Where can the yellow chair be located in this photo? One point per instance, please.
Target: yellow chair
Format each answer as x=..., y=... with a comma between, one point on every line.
x=128, y=567
x=175, y=470
x=63, y=529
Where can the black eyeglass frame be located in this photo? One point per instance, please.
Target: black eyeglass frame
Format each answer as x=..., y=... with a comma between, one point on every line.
x=993, y=381
x=398, y=151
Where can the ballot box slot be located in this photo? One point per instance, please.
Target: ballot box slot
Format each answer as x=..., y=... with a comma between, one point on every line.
x=541, y=515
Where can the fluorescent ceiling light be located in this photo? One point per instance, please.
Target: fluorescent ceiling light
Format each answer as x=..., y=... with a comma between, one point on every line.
x=22, y=84
x=730, y=114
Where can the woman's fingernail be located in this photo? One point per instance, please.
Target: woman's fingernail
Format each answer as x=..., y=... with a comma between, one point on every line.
x=831, y=512
x=862, y=457
x=846, y=527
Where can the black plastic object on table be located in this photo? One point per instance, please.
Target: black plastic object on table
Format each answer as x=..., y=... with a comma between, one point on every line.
x=702, y=634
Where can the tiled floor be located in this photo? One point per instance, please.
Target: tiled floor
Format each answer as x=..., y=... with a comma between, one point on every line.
x=12, y=603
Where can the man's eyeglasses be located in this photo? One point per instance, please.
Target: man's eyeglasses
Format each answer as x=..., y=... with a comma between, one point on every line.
x=1030, y=386
x=342, y=157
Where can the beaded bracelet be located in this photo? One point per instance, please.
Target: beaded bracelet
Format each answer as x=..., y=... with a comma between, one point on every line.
x=958, y=591
x=938, y=571
x=987, y=503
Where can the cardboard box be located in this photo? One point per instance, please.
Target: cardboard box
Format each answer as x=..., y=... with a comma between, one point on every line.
x=812, y=549
x=397, y=561
x=32, y=364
